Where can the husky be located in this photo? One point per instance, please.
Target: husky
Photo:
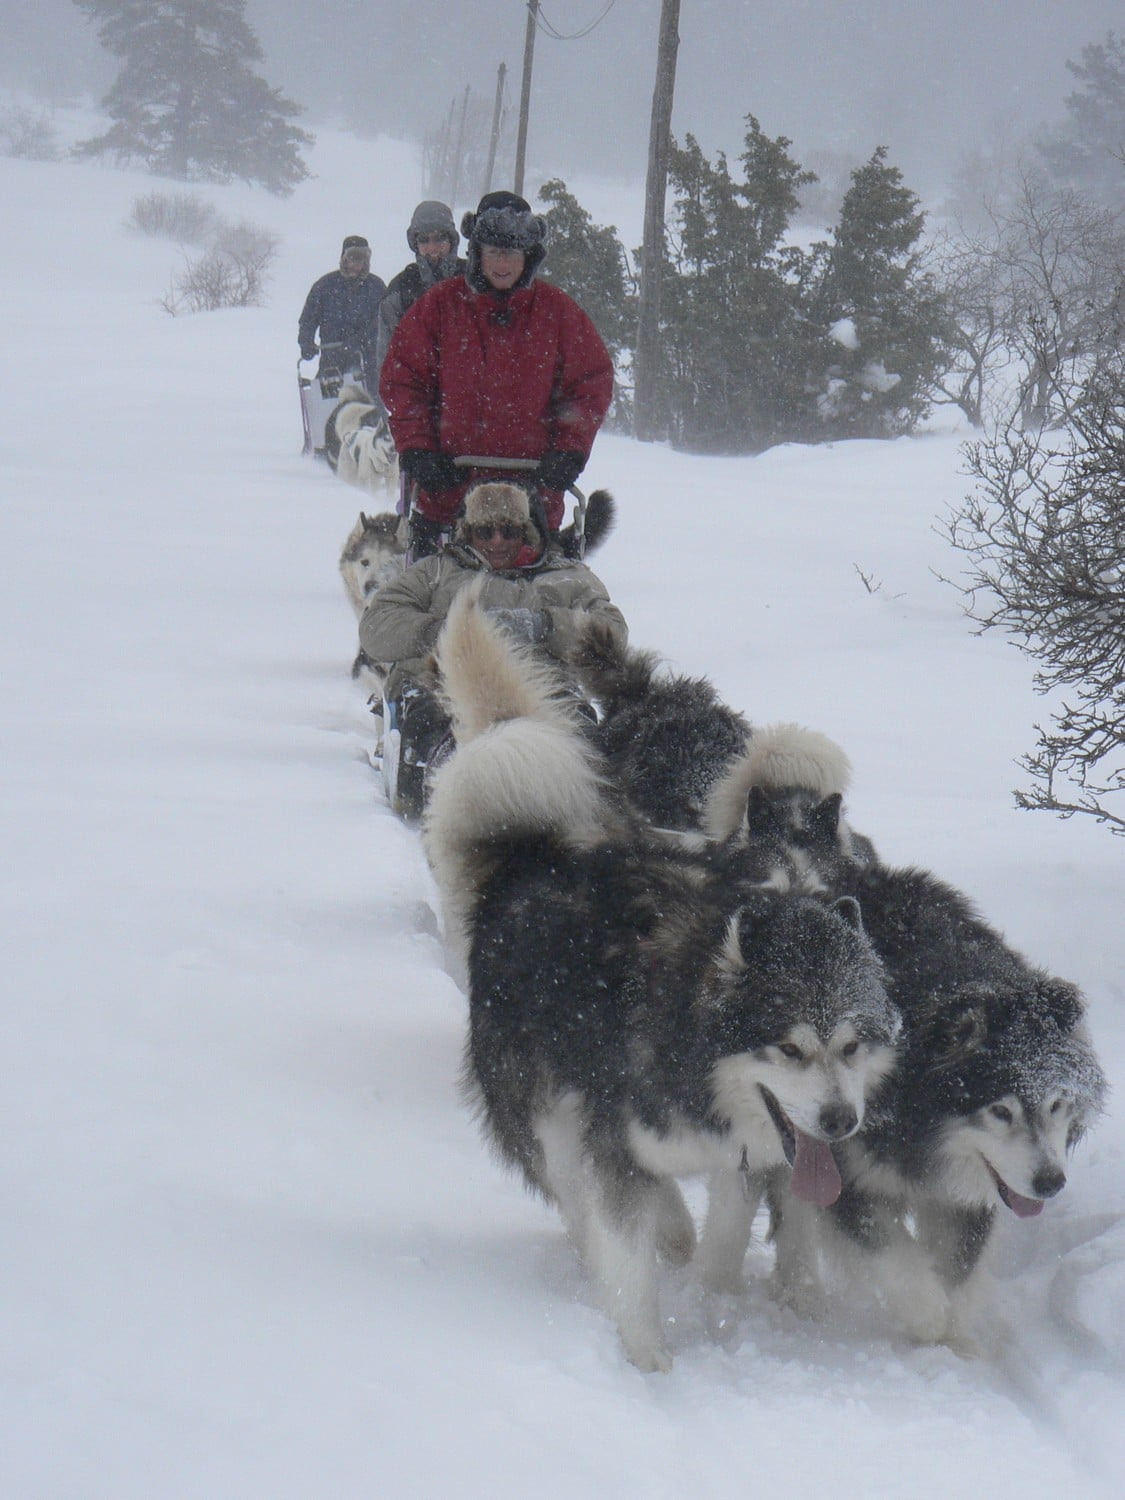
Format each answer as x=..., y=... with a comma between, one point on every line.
x=633, y=1019
x=668, y=738
x=358, y=443
x=996, y=1081
x=373, y=554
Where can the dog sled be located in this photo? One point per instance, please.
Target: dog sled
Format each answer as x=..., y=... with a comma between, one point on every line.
x=416, y=738
x=319, y=393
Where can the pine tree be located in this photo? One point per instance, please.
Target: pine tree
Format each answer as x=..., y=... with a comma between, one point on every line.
x=885, y=327
x=187, y=101
x=1088, y=149
x=734, y=335
x=588, y=261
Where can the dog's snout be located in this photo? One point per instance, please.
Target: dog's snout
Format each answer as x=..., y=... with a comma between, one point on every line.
x=1048, y=1182
x=837, y=1121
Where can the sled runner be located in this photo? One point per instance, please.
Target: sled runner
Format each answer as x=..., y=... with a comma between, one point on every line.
x=416, y=737
x=319, y=393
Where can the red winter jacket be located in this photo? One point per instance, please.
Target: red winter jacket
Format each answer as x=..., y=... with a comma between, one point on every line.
x=501, y=375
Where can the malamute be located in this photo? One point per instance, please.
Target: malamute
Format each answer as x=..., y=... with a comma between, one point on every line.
x=634, y=1019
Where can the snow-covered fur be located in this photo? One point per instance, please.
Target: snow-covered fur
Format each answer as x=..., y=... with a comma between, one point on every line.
x=358, y=443
x=666, y=738
x=634, y=1018
x=784, y=795
x=996, y=1081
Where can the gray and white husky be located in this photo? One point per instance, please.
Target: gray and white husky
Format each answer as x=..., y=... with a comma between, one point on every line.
x=358, y=443
x=996, y=1081
x=373, y=554
x=634, y=1018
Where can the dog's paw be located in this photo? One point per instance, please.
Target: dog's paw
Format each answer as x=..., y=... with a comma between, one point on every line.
x=801, y=1295
x=675, y=1228
x=651, y=1357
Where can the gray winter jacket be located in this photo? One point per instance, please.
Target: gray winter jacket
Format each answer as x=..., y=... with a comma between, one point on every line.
x=402, y=623
x=402, y=293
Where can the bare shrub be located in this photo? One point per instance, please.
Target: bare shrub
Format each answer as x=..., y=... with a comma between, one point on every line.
x=1044, y=534
x=28, y=135
x=232, y=273
x=182, y=217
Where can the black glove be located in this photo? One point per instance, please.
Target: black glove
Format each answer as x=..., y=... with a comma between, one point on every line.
x=309, y=351
x=531, y=625
x=431, y=471
x=558, y=469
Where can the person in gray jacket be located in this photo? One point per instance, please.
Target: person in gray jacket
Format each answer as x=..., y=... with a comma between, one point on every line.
x=529, y=587
x=433, y=238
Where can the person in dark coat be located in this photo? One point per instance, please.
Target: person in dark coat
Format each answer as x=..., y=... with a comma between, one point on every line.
x=344, y=307
x=497, y=364
x=432, y=236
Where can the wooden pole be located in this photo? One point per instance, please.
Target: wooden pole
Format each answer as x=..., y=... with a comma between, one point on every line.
x=525, y=93
x=647, y=367
x=494, y=139
x=460, y=152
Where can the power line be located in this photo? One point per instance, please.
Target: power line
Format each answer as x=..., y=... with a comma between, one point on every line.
x=549, y=29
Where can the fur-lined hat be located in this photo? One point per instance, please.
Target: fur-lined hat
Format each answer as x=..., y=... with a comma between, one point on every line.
x=432, y=217
x=498, y=503
x=505, y=220
x=355, y=244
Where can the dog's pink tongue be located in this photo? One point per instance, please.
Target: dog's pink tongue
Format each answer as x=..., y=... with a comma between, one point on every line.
x=1023, y=1208
x=816, y=1177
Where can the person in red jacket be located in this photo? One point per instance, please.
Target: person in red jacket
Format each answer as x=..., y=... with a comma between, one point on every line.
x=494, y=364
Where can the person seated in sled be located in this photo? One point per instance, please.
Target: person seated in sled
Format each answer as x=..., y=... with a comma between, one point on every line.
x=433, y=240
x=529, y=587
x=493, y=364
x=343, y=307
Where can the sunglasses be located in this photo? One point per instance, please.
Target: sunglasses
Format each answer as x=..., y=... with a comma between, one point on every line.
x=484, y=533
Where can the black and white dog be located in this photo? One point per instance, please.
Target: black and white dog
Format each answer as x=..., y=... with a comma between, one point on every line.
x=996, y=1081
x=666, y=737
x=358, y=443
x=633, y=1018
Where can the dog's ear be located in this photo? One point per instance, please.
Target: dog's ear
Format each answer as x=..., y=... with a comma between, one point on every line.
x=952, y=1031
x=847, y=909
x=762, y=818
x=824, y=821
x=365, y=521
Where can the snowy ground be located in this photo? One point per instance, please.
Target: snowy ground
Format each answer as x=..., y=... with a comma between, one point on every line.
x=252, y=1245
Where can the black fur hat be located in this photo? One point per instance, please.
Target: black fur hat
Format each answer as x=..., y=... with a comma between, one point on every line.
x=505, y=220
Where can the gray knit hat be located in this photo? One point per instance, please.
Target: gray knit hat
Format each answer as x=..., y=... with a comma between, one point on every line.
x=432, y=217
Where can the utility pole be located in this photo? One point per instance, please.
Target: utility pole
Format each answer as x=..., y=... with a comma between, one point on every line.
x=525, y=91
x=652, y=252
x=494, y=139
x=460, y=151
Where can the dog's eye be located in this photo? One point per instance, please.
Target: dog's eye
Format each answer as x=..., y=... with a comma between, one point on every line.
x=1058, y=1104
x=1002, y=1113
x=791, y=1051
x=849, y=1050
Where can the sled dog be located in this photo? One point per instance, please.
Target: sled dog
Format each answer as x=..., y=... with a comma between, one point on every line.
x=996, y=1081
x=373, y=554
x=667, y=738
x=358, y=443
x=633, y=1019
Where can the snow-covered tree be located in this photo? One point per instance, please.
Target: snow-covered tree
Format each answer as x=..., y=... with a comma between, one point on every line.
x=1087, y=151
x=880, y=306
x=734, y=338
x=187, y=101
